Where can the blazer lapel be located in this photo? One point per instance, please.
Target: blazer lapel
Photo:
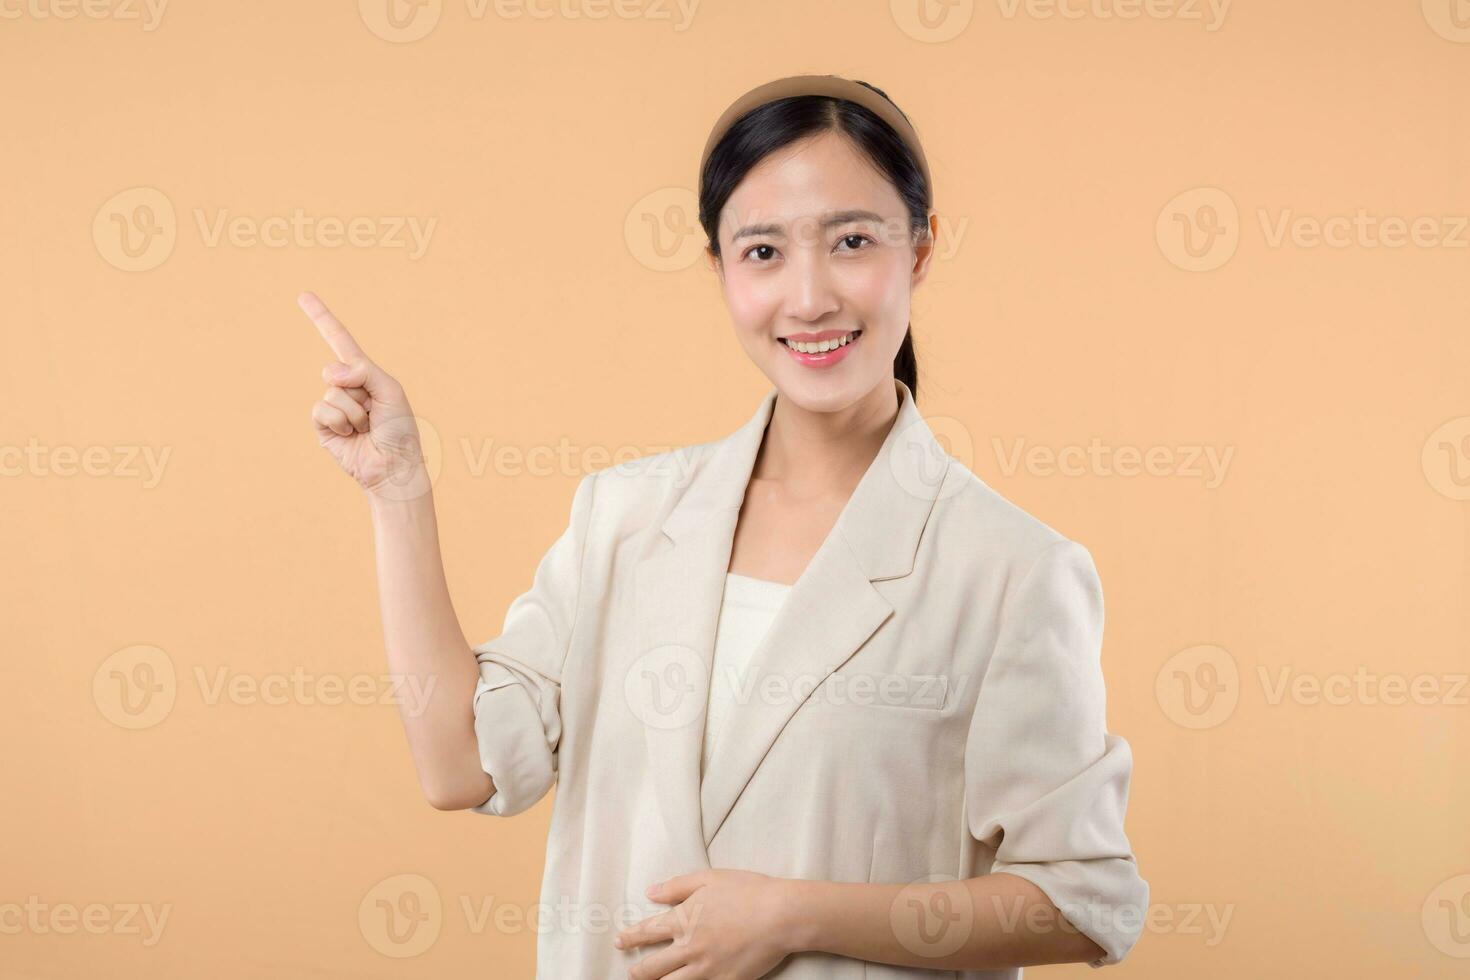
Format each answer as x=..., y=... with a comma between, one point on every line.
x=830, y=612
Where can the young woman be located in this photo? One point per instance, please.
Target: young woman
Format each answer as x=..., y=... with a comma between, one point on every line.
x=817, y=701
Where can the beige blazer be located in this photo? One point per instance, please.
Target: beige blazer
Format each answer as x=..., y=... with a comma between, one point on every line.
x=928, y=704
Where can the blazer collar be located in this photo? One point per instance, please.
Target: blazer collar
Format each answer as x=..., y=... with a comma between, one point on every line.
x=882, y=519
x=831, y=610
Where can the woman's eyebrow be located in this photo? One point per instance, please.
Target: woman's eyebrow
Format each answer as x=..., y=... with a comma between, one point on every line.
x=835, y=218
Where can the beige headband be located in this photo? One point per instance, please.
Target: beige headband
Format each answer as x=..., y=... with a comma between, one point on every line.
x=833, y=85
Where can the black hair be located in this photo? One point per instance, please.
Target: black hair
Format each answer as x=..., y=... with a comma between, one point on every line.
x=777, y=124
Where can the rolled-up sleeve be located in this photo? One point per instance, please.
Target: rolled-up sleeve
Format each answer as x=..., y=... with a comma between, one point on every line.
x=517, y=700
x=1045, y=783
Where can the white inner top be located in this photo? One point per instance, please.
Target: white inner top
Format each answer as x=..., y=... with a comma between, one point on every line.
x=746, y=611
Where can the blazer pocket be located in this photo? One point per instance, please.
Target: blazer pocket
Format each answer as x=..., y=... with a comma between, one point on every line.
x=886, y=691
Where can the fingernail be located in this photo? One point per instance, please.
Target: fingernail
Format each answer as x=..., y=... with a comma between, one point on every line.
x=650, y=890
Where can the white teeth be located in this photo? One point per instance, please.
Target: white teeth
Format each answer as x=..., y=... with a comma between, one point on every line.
x=821, y=347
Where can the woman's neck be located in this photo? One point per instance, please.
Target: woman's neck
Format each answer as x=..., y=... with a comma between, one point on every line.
x=813, y=454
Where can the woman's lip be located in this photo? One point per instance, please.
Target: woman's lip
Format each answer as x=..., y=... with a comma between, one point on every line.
x=826, y=359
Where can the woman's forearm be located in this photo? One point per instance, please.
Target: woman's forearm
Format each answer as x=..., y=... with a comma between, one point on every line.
x=427, y=651
x=994, y=921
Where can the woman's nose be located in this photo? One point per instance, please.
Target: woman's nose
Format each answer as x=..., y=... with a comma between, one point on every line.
x=811, y=294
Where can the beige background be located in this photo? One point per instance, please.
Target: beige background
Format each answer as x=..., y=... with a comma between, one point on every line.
x=1130, y=263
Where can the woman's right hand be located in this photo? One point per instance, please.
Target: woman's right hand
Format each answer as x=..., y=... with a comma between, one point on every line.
x=364, y=419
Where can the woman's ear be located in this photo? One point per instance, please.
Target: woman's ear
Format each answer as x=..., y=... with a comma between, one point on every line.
x=713, y=261
x=924, y=249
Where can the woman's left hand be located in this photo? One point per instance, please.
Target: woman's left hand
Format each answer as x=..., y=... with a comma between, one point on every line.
x=725, y=925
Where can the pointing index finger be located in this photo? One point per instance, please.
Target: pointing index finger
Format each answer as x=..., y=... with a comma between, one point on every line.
x=331, y=329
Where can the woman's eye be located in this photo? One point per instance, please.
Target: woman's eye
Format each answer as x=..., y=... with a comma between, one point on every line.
x=756, y=248
x=855, y=237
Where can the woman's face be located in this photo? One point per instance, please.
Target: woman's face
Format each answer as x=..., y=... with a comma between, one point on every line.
x=815, y=245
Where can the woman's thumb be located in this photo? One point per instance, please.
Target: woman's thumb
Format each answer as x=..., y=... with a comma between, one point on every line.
x=358, y=375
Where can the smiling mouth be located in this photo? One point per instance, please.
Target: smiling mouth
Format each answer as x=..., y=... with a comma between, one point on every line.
x=821, y=346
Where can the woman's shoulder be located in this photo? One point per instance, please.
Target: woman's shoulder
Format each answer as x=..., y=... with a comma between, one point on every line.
x=632, y=493
x=970, y=509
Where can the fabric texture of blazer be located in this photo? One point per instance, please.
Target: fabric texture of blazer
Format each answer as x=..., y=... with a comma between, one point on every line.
x=928, y=704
